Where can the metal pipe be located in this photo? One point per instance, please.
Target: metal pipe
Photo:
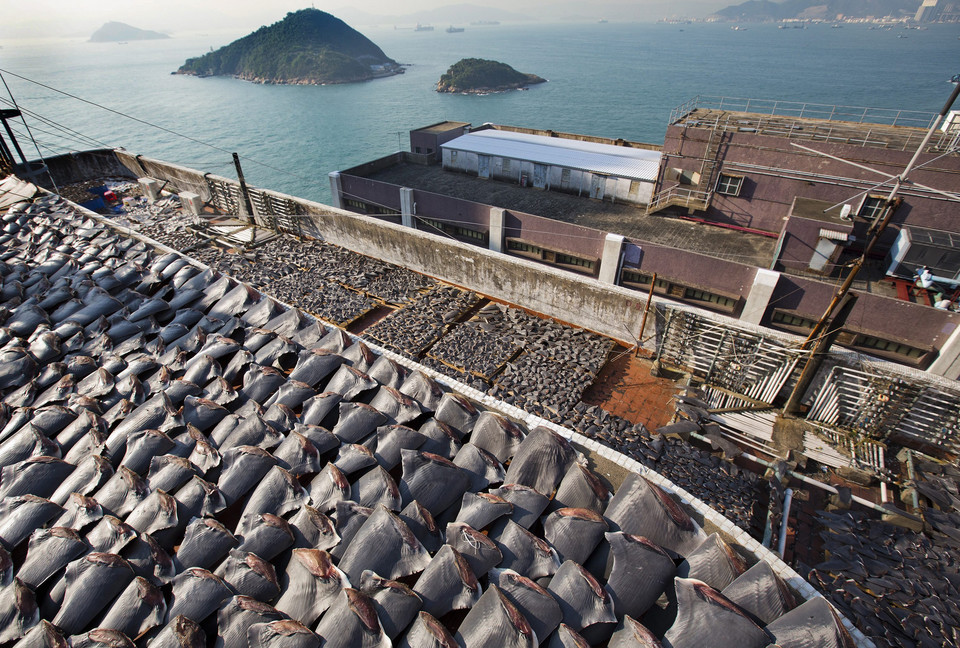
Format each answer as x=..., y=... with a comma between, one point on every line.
x=646, y=310
x=782, y=543
x=914, y=498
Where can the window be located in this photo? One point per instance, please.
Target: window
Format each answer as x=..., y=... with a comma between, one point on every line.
x=871, y=343
x=356, y=204
x=455, y=230
x=793, y=321
x=519, y=246
x=570, y=260
x=872, y=207
x=703, y=296
x=729, y=185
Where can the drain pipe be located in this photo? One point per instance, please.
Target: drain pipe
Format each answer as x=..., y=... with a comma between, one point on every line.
x=784, y=522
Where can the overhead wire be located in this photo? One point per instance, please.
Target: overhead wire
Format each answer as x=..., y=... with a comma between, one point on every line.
x=27, y=126
x=152, y=125
x=69, y=132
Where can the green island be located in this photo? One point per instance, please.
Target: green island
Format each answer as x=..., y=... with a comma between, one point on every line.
x=480, y=76
x=307, y=47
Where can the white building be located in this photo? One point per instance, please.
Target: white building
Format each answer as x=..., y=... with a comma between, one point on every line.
x=601, y=171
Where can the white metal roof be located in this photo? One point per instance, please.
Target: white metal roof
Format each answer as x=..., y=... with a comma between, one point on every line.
x=620, y=161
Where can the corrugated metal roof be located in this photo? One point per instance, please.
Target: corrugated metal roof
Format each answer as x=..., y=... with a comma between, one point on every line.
x=620, y=161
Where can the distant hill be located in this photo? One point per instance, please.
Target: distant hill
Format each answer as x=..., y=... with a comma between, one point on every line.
x=113, y=32
x=480, y=75
x=765, y=10
x=306, y=47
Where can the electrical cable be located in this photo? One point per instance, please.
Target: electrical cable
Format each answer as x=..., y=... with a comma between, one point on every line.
x=152, y=125
x=70, y=132
x=39, y=154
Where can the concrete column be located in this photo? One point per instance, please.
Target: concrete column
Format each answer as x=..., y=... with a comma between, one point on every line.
x=947, y=363
x=336, y=189
x=610, y=262
x=151, y=189
x=407, y=207
x=192, y=204
x=497, y=216
x=764, y=283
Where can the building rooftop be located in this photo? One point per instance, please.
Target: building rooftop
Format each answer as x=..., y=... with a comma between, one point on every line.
x=626, y=220
x=869, y=127
x=621, y=161
x=443, y=127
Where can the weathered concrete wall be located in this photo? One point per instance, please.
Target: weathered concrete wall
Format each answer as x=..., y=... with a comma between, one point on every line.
x=381, y=193
x=696, y=270
x=582, y=301
x=579, y=300
x=914, y=324
x=374, y=165
x=177, y=178
x=555, y=235
x=455, y=211
x=77, y=167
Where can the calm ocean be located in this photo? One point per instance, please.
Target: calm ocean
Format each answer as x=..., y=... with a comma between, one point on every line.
x=613, y=80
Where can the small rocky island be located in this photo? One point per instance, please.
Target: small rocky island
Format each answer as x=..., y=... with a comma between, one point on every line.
x=117, y=32
x=480, y=76
x=308, y=47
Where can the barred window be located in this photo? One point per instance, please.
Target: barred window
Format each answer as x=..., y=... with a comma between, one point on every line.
x=568, y=259
x=713, y=298
x=729, y=185
x=779, y=317
x=888, y=346
x=872, y=207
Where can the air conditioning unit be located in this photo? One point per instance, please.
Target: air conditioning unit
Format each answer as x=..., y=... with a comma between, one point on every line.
x=951, y=124
x=919, y=246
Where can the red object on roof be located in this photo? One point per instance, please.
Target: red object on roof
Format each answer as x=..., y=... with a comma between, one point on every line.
x=109, y=196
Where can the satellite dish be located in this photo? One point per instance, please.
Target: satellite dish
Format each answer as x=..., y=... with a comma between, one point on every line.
x=845, y=212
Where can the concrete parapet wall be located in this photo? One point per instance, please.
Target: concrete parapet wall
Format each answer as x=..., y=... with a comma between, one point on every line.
x=178, y=178
x=582, y=301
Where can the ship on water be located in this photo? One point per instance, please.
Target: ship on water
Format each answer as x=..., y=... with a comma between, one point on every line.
x=454, y=30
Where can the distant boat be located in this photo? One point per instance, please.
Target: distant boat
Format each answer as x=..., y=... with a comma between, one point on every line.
x=485, y=22
x=955, y=79
x=738, y=28
x=454, y=30
x=602, y=21
x=420, y=27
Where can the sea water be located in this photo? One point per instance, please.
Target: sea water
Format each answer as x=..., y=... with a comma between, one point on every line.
x=611, y=80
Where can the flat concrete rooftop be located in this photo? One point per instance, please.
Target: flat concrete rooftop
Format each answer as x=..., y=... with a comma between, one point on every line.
x=867, y=134
x=627, y=220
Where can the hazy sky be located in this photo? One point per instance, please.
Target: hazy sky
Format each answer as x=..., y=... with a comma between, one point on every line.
x=55, y=18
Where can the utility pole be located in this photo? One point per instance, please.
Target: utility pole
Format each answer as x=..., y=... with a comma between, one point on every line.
x=817, y=342
x=817, y=354
x=243, y=186
x=881, y=221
